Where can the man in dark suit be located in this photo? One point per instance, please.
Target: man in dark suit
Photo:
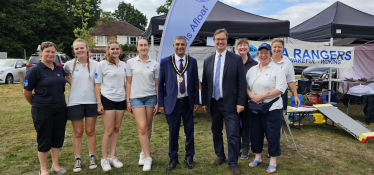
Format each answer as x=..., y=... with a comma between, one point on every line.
x=223, y=95
x=178, y=96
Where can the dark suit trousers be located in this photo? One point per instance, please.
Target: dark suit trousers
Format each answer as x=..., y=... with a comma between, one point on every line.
x=181, y=109
x=270, y=125
x=232, y=123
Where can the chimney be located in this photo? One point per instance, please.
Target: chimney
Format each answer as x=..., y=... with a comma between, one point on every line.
x=100, y=21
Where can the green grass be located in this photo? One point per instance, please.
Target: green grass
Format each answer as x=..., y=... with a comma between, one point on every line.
x=322, y=149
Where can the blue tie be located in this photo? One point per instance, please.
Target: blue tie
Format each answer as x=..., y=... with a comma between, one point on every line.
x=217, y=94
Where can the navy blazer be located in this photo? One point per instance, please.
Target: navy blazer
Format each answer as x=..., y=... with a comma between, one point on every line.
x=168, y=84
x=234, y=85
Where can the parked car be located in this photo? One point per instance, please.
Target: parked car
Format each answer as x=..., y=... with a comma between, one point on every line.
x=9, y=69
x=61, y=59
x=299, y=69
x=317, y=72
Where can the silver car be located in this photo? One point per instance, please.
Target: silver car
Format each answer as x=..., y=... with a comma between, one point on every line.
x=9, y=69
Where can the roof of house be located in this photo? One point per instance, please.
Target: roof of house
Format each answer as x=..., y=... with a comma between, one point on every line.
x=116, y=28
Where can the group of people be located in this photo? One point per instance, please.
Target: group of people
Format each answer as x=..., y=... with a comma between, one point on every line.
x=143, y=86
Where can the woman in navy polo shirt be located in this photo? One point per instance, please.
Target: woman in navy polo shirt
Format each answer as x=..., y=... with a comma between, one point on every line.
x=48, y=106
x=141, y=88
x=110, y=91
x=80, y=74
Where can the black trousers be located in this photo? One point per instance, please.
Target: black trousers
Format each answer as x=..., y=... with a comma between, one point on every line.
x=270, y=125
x=244, y=129
x=50, y=126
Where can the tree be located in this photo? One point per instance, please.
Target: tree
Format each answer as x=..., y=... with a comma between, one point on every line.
x=164, y=9
x=81, y=10
x=127, y=12
x=107, y=16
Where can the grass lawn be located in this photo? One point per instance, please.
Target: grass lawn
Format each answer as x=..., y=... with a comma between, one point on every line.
x=321, y=149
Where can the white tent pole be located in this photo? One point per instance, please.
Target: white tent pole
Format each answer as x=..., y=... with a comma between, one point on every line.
x=152, y=54
x=330, y=71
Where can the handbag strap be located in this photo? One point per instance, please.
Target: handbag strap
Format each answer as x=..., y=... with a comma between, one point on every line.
x=265, y=68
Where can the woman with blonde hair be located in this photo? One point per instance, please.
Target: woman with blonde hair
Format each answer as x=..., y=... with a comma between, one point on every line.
x=110, y=91
x=48, y=109
x=277, y=47
x=79, y=73
x=141, y=88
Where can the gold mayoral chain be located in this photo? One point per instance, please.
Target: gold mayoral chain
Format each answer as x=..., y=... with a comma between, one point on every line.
x=180, y=79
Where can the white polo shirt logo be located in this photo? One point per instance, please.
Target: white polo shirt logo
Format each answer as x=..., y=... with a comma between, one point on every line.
x=76, y=70
x=96, y=75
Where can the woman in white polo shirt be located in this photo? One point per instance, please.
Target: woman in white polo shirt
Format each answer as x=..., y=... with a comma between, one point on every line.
x=141, y=87
x=266, y=82
x=110, y=91
x=277, y=46
x=79, y=73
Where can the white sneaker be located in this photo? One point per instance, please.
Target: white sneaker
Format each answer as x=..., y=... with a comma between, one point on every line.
x=115, y=162
x=147, y=164
x=141, y=158
x=105, y=164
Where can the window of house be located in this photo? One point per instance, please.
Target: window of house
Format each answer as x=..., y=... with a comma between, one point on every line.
x=100, y=40
x=133, y=40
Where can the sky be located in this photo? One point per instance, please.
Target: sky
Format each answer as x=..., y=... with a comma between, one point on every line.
x=296, y=11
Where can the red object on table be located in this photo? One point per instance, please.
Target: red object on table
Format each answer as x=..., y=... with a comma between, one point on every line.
x=315, y=98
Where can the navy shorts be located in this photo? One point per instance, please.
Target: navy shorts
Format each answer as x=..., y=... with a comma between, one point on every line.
x=113, y=105
x=78, y=112
x=149, y=101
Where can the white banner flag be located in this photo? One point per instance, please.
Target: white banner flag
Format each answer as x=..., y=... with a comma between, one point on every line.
x=317, y=56
x=185, y=17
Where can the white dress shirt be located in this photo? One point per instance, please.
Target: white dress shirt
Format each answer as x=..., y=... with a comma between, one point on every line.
x=263, y=81
x=223, y=57
x=177, y=63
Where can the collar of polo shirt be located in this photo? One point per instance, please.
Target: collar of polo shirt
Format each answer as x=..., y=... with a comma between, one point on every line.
x=138, y=59
x=269, y=65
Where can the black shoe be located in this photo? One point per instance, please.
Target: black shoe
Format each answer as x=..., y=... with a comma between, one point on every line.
x=93, y=163
x=77, y=165
x=172, y=164
x=189, y=162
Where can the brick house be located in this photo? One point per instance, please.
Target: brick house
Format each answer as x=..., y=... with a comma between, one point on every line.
x=120, y=31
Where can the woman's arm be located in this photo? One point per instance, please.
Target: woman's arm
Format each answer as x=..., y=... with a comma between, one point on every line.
x=128, y=91
x=68, y=78
x=28, y=96
x=293, y=89
x=156, y=107
x=100, y=108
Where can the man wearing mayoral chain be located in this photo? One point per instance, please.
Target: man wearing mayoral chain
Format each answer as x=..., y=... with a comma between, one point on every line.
x=178, y=97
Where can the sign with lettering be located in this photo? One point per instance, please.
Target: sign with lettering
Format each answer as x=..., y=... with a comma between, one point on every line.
x=317, y=56
x=184, y=18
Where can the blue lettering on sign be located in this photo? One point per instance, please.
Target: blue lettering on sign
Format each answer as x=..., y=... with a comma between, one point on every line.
x=340, y=54
x=25, y=83
x=285, y=53
x=326, y=55
x=96, y=75
x=332, y=53
x=196, y=21
x=315, y=54
x=348, y=57
x=76, y=70
x=306, y=54
x=296, y=52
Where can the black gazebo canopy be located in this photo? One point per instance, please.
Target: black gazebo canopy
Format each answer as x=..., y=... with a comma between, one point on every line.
x=337, y=21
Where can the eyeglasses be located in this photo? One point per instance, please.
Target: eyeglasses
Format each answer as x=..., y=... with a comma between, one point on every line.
x=263, y=53
x=220, y=39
